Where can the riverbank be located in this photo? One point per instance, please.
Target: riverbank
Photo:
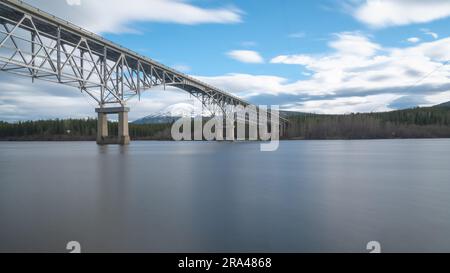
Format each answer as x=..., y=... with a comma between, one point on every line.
x=90, y=139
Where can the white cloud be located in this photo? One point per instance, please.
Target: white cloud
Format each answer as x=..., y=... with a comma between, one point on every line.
x=23, y=100
x=384, y=13
x=346, y=44
x=245, y=85
x=376, y=103
x=430, y=33
x=292, y=59
x=246, y=56
x=370, y=78
x=413, y=40
x=438, y=98
x=355, y=44
x=111, y=16
x=392, y=67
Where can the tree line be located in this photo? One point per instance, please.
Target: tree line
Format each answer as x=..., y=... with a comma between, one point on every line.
x=76, y=129
x=432, y=122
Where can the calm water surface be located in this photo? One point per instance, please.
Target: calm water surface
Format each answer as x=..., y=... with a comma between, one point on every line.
x=309, y=196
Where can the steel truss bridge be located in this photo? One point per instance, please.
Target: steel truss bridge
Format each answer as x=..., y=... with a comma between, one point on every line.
x=41, y=46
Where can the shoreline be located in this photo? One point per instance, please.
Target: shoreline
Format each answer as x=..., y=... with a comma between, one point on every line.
x=170, y=140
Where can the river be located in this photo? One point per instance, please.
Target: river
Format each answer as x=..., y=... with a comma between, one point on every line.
x=309, y=196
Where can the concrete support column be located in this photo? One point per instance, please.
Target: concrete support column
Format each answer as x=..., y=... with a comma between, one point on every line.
x=281, y=130
x=124, y=136
x=229, y=129
x=102, y=127
x=285, y=129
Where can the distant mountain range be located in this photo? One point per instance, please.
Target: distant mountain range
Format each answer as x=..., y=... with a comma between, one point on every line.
x=169, y=114
x=179, y=110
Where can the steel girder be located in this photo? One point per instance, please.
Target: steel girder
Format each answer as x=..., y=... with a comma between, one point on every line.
x=38, y=45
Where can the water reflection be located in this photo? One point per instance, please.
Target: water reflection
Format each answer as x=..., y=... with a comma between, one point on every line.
x=197, y=197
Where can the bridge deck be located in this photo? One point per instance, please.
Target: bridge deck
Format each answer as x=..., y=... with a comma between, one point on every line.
x=52, y=27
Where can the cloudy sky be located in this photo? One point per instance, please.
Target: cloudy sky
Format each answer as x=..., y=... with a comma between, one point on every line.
x=324, y=56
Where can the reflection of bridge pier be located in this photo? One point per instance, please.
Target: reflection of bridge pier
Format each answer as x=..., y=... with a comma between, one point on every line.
x=123, y=137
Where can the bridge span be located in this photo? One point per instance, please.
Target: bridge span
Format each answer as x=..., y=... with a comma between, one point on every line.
x=41, y=46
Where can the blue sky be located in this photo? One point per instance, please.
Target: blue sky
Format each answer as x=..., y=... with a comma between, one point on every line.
x=321, y=56
x=268, y=27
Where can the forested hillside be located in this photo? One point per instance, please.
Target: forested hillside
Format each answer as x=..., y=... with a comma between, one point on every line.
x=432, y=122
x=75, y=129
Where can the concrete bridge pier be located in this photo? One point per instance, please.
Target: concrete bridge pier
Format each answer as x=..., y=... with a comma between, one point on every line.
x=229, y=129
x=123, y=136
x=283, y=130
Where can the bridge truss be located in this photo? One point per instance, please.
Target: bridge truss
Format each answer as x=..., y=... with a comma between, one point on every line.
x=41, y=46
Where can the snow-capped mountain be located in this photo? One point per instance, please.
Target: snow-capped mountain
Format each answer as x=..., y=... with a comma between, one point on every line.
x=171, y=113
